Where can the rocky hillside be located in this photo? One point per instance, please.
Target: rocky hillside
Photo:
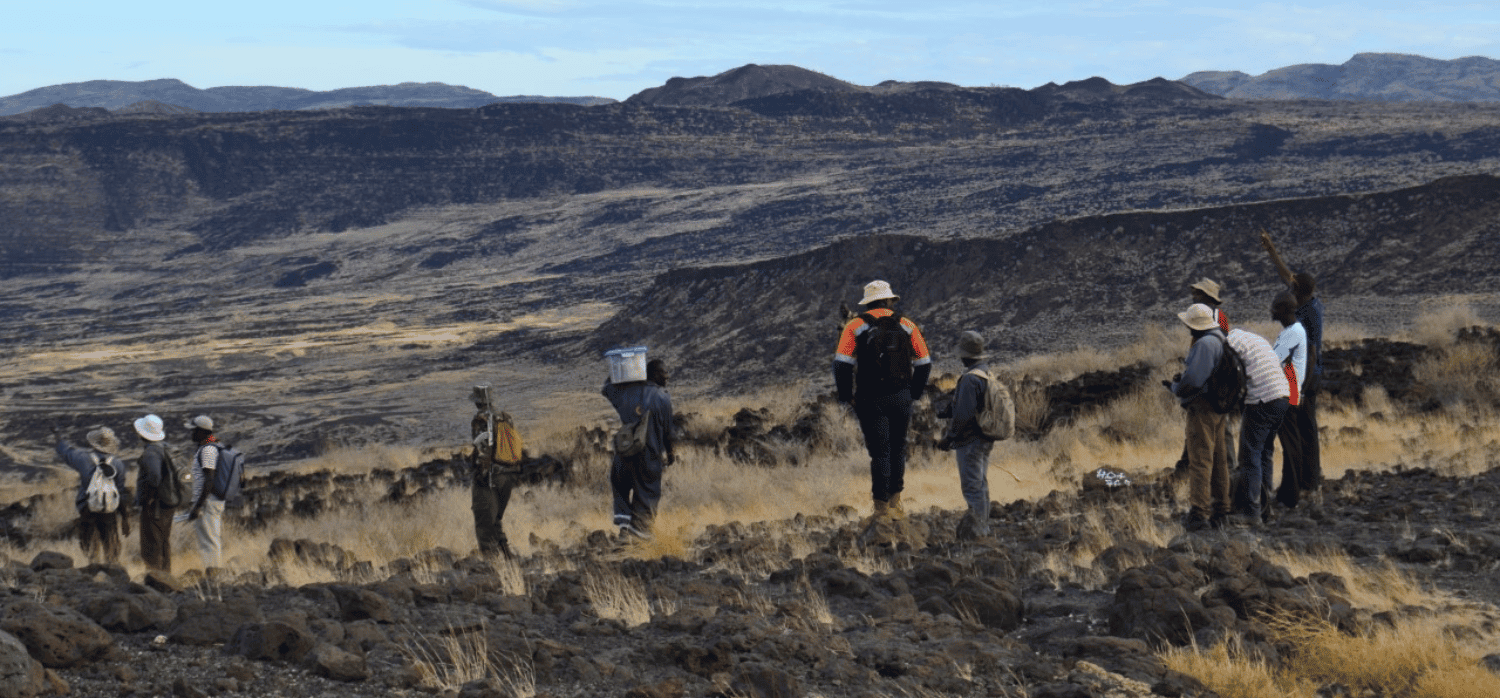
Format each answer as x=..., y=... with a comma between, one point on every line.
x=1052, y=286
x=1381, y=77
x=744, y=82
x=328, y=278
x=115, y=95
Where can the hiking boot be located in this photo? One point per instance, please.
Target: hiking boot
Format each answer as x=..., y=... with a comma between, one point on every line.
x=1194, y=521
x=893, y=507
x=631, y=529
x=880, y=510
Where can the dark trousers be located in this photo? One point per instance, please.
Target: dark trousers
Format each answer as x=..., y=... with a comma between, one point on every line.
x=99, y=536
x=884, y=422
x=636, y=482
x=1257, y=447
x=1301, y=463
x=490, y=496
x=1310, y=475
x=156, y=538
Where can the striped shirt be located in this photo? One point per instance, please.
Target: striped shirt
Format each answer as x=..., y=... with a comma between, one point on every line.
x=1263, y=376
x=205, y=461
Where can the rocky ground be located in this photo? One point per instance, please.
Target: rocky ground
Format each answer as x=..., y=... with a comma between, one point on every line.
x=818, y=605
x=1071, y=595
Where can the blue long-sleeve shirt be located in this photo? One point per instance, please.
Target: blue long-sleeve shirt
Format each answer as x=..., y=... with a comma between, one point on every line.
x=84, y=461
x=968, y=399
x=1311, y=317
x=1201, y=360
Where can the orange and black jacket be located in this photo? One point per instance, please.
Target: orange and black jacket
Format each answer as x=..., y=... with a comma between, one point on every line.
x=845, y=359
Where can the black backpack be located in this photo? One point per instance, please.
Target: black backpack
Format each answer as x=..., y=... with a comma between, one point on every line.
x=885, y=353
x=1227, y=385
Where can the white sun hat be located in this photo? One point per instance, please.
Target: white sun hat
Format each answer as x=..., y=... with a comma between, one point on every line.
x=150, y=428
x=878, y=290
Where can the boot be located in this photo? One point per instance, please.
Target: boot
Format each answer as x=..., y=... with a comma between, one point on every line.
x=893, y=507
x=880, y=510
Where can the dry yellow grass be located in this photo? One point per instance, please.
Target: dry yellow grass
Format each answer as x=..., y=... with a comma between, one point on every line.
x=1417, y=658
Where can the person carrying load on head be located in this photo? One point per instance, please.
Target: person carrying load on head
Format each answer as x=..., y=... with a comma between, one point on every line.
x=644, y=445
x=880, y=368
x=495, y=464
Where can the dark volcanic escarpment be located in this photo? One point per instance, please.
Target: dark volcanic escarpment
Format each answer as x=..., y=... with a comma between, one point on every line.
x=332, y=278
x=1061, y=283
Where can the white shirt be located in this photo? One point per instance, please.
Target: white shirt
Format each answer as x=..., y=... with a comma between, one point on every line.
x=1293, y=342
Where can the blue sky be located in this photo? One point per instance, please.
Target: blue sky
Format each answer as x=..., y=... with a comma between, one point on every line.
x=616, y=48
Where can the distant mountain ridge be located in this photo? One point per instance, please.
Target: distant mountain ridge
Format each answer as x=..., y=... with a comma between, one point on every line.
x=115, y=95
x=751, y=85
x=1383, y=77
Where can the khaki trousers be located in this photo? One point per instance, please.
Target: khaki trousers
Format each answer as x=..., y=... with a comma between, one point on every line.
x=1208, y=460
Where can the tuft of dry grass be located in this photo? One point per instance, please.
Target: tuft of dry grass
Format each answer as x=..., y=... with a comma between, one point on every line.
x=1389, y=661
x=455, y=657
x=1227, y=671
x=1461, y=373
x=1438, y=327
x=617, y=596
x=1381, y=589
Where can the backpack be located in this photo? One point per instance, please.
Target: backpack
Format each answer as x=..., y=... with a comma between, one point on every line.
x=101, y=496
x=997, y=416
x=507, y=443
x=171, y=490
x=1227, y=385
x=227, y=474
x=630, y=439
x=885, y=354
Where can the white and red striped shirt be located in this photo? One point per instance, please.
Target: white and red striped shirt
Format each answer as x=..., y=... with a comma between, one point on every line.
x=1266, y=381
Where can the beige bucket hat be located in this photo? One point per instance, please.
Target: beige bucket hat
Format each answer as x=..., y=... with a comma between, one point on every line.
x=878, y=290
x=1210, y=287
x=1198, y=317
x=104, y=440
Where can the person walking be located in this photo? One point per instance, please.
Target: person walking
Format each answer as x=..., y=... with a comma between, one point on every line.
x=101, y=519
x=207, y=511
x=496, y=467
x=965, y=436
x=156, y=518
x=1208, y=464
x=1309, y=312
x=880, y=368
x=635, y=479
x=1266, y=400
x=1293, y=351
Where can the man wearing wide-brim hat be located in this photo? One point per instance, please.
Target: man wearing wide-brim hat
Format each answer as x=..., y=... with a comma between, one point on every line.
x=156, y=519
x=880, y=368
x=98, y=531
x=1207, y=449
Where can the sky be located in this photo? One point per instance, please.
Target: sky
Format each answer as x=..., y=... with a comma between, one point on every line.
x=615, y=48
